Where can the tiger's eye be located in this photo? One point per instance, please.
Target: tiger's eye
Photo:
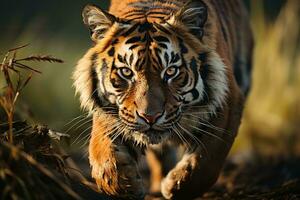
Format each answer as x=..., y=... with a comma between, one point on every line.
x=126, y=72
x=171, y=71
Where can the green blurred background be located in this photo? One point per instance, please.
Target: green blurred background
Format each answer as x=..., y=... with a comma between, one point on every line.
x=55, y=27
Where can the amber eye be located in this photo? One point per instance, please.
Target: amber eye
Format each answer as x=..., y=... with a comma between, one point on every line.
x=126, y=73
x=171, y=71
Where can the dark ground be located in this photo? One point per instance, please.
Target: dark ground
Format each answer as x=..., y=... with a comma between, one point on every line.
x=35, y=168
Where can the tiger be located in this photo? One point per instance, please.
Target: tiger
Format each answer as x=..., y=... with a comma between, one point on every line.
x=164, y=76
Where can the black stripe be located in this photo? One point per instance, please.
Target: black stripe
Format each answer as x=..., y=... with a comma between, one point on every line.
x=203, y=57
x=155, y=63
x=157, y=52
x=117, y=82
x=133, y=40
x=204, y=72
x=131, y=30
x=125, y=59
x=238, y=73
x=175, y=57
x=127, y=114
x=135, y=18
x=141, y=64
x=195, y=93
x=132, y=11
x=95, y=80
x=162, y=45
x=156, y=17
x=130, y=59
x=156, y=13
x=205, y=100
x=133, y=46
x=145, y=27
x=162, y=29
x=136, y=12
x=161, y=39
x=194, y=68
x=183, y=48
x=115, y=41
x=147, y=38
x=111, y=52
x=172, y=56
x=120, y=58
x=166, y=56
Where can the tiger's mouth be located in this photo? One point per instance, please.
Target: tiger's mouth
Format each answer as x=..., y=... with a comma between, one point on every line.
x=148, y=135
x=145, y=135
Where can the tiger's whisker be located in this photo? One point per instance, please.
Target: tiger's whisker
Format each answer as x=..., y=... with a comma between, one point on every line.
x=182, y=136
x=120, y=131
x=198, y=141
x=210, y=134
x=89, y=121
x=84, y=138
x=207, y=124
x=204, y=124
x=76, y=124
x=76, y=118
x=77, y=138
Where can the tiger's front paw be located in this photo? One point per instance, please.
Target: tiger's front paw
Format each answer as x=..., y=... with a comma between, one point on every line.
x=178, y=178
x=130, y=180
x=119, y=176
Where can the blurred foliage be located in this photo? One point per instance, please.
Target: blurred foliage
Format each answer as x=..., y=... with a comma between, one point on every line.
x=272, y=115
x=30, y=155
x=47, y=27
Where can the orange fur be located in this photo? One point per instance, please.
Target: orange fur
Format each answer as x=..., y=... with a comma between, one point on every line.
x=227, y=44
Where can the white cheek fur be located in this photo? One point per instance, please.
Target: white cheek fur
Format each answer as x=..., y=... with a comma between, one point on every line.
x=218, y=85
x=217, y=81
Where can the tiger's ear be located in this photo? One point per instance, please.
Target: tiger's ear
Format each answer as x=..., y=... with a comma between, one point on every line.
x=98, y=21
x=193, y=15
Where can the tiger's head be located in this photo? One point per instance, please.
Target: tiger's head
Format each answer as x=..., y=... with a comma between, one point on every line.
x=151, y=71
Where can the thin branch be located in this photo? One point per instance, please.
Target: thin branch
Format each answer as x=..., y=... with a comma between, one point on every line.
x=41, y=58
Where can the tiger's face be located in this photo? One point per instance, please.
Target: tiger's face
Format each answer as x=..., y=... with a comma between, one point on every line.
x=150, y=76
x=147, y=71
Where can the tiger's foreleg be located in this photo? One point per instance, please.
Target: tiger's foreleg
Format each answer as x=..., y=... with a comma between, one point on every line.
x=194, y=174
x=114, y=167
x=161, y=159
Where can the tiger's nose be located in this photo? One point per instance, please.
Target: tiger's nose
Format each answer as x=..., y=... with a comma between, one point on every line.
x=150, y=118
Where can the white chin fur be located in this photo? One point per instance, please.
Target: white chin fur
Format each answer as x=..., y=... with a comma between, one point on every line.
x=143, y=139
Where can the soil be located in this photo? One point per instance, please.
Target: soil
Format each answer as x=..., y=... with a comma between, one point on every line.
x=35, y=167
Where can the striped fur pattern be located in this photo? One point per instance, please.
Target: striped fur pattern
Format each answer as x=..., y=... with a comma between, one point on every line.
x=163, y=70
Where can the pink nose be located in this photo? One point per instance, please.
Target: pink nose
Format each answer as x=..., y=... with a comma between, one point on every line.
x=150, y=119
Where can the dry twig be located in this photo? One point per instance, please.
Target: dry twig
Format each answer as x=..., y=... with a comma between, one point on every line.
x=12, y=64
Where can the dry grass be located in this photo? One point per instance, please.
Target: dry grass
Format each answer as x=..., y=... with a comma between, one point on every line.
x=28, y=157
x=9, y=95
